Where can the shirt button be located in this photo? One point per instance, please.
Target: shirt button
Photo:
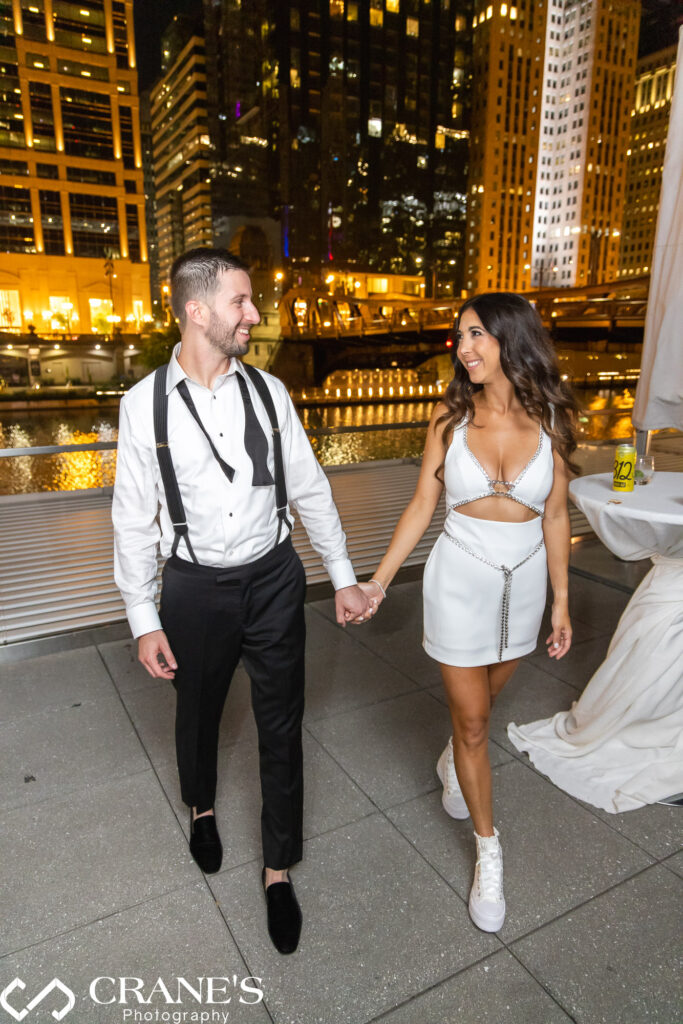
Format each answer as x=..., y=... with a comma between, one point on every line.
x=220, y=435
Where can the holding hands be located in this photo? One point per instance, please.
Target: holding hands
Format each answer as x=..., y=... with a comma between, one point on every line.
x=358, y=604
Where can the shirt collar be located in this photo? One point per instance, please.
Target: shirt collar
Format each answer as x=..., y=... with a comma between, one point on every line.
x=175, y=372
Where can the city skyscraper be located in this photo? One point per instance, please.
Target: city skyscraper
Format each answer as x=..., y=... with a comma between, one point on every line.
x=552, y=95
x=647, y=147
x=345, y=121
x=182, y=149
x=73, y=248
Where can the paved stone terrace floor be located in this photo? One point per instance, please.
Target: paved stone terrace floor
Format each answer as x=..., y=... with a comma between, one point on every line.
x=98, y=880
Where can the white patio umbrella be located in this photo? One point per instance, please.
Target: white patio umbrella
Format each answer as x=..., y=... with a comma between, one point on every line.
x=659, y=396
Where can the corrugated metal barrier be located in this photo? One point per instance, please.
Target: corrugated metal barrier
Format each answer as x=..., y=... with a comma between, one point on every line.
x=56, y=549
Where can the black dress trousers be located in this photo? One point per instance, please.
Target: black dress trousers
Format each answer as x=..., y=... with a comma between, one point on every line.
x=212, y=618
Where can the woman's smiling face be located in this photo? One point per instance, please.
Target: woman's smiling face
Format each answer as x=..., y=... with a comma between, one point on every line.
x=478, y=351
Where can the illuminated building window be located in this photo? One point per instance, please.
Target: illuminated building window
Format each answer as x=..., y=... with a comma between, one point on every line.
x=101, y=312
x=51, y=219
x=375, y=127
x=127, y=148
x=94, y=224
x=120, y=35
x=91, y=176
x=38, y=60
x=376, y=17
x=18, y=167
x=412, y=27
x=42, y=118
x=10, y=308
x=393, y=6
x=133, y=233
x=47, y=171
x=352, y=12
x=33, y=19
x=336, y=8
x=16, y=220
x=86, y=117
x=80, y=26
x=78, y=70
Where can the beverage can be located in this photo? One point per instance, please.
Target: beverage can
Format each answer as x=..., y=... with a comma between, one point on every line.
x=624, y=467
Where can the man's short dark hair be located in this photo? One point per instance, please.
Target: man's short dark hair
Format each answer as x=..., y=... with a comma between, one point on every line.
x=196, y=274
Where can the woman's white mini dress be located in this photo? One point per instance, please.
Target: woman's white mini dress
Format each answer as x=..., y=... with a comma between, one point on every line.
x=485, y=581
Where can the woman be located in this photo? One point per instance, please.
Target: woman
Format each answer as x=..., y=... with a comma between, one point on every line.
x=501, y=442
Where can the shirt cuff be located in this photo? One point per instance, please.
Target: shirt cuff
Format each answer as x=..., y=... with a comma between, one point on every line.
x=143, y=618
x=341, y=573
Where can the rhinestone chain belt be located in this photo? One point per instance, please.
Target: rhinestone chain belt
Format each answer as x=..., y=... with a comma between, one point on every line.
x=507, y=585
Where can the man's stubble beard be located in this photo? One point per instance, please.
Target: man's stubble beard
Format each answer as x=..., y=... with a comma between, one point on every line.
x=222, y=338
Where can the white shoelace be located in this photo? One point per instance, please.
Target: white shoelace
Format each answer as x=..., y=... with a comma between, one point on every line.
x=490, y=875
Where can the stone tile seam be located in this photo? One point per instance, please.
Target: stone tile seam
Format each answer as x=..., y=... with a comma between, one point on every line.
x=664, y=863
x=166, y=797
x=431, y=988
x=50, y=709
x=370, y=650
x=521, y=758
x=580, y=906
x=98, y=920
x=70, y=791
x=541, y=984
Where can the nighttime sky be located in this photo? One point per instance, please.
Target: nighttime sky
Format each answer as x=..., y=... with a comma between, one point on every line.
x=151, y=18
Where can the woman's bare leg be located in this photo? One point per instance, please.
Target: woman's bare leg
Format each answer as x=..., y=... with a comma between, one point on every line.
x=469, y=701
x=499, y=674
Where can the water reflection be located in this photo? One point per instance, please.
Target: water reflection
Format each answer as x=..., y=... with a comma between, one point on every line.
x=68, y=471
x=79, y=470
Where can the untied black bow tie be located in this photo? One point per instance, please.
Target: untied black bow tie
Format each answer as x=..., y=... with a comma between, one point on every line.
x=255, y=442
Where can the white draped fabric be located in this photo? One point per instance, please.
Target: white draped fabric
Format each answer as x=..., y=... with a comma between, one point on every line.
x=659, y=396
x=620, y=746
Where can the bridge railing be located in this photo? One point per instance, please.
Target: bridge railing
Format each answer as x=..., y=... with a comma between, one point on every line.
x=335, y=323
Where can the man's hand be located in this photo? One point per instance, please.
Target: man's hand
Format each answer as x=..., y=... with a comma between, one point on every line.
x=156, y=655
x=352, y=605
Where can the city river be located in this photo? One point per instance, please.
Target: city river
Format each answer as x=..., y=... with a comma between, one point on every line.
x=339, y=434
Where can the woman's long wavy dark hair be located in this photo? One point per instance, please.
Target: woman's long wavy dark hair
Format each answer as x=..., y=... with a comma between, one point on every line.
x=529, y=362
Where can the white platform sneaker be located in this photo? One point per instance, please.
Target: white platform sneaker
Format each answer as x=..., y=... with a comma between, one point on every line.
x=452, y=799
x=487, y=903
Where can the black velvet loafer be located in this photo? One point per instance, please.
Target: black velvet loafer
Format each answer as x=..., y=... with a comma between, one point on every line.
x=284, y=915
x=205, y=843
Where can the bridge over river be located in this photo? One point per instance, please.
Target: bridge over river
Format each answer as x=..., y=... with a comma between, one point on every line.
x=322, y=332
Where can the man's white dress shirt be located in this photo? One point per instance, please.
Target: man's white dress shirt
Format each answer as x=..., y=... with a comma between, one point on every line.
x=229, y=523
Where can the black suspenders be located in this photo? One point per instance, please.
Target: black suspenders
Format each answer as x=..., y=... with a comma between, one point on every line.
x=173, y=498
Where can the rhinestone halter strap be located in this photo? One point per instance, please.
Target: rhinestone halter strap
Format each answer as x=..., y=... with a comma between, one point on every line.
x=491, y=492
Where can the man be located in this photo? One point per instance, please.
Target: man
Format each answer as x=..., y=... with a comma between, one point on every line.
x=233, y=586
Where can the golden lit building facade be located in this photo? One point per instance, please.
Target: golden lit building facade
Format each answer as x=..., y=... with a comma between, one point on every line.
x=553, y=87
x=649, y=130
x=508, y=48
x=182, y=154
x=73, y=249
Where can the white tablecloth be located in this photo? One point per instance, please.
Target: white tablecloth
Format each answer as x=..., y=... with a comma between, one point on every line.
x=620, y=746
x=634, y=524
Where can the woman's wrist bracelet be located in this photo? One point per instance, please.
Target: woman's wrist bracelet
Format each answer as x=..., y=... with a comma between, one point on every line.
x=384, y=593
